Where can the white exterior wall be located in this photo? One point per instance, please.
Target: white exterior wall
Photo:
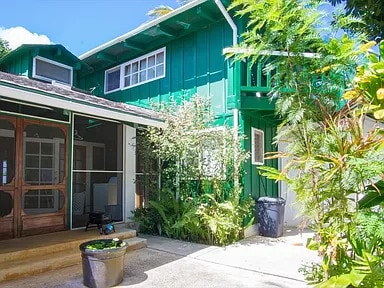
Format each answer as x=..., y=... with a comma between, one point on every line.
x=291, y=215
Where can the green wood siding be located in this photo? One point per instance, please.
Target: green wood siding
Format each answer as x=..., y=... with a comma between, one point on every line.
x=20, y=65
x=194, y=64
x=256, y=185
x=20, y=61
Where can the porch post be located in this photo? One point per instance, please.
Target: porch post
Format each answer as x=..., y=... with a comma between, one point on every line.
x=130, y=171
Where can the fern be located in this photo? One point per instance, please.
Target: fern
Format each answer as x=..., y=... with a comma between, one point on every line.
x=371, y=226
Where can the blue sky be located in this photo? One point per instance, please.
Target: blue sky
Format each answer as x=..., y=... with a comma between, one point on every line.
x=79, y=25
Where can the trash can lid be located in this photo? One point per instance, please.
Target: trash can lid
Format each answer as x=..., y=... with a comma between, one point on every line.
x=276, y=200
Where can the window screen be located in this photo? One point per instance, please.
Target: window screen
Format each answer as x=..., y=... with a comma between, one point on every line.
x=257, y=146
x=49, y=70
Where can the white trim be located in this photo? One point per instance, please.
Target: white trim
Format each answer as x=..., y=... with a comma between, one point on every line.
x=229, y=20
x=261, y=133
x=34, y=75
x=96, y=171
x=141, y=28
x=129, y=166
x=250, y=51
x=37, y=98
x=70, y=164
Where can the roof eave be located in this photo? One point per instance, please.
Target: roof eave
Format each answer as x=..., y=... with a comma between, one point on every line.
x=35, y=96
x=142, y=28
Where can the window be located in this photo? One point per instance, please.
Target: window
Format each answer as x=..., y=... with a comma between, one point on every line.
x=112, y=79
x=210, y=159
x=135, y=72
x=144, y=69
x=49, y=70
x=257, y=146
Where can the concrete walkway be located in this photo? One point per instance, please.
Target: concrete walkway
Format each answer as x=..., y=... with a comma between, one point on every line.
x=253, y=262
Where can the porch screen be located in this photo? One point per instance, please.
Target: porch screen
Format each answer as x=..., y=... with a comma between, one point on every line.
x=97, y=162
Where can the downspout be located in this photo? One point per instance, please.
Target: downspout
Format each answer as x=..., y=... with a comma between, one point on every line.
x=235, y=110
x=229, y=20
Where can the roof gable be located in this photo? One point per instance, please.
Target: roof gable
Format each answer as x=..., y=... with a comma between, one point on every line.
x=54, y=52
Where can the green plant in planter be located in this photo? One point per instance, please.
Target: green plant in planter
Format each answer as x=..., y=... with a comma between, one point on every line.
x=104, y=244
x=103, y=262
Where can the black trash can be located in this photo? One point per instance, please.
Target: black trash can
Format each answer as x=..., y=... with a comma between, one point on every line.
x=270, y=212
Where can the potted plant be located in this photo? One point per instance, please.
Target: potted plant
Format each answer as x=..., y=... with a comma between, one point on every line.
x=103, y=262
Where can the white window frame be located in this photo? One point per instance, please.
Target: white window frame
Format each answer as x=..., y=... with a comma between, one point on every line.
x=206, y=159
x=136, y=60
x=256, y=159
x=105, y=79
x=34, y=75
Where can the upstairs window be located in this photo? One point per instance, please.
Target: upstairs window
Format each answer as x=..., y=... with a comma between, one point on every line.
x=112, y=79
x=135, y=72
x=144, y=69
x=49, y=70
x=257, y=147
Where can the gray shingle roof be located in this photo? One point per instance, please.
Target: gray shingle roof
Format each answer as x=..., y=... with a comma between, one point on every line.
x=51, y=90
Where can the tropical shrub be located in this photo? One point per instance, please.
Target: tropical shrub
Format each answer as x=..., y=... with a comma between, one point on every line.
x=333, y=160
x=200, y=197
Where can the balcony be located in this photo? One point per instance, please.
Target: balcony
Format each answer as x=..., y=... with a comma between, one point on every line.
x=256, y=81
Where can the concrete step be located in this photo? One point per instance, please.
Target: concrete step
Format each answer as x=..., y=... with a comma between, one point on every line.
x=56, y=259
x=33, y=246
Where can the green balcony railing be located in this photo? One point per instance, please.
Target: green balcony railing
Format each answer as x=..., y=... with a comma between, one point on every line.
x=255, y=83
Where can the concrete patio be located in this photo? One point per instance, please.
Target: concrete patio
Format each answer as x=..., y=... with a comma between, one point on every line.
x=253, y=262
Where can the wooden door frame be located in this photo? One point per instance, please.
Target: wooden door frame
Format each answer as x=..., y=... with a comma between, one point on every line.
x=9, y=220
x=30, y=224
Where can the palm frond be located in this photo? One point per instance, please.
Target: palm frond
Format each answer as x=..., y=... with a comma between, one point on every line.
x=159, y=11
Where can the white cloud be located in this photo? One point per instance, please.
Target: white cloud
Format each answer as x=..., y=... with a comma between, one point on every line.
x=19, y=35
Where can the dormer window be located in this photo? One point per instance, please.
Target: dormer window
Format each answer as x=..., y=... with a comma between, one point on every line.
x=51, y=71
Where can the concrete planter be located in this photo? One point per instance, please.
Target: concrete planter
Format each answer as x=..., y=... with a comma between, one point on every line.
x=102, y=267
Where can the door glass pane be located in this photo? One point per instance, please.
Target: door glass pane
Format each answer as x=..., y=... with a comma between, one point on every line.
x=6, y=203
x=31, y=176
x=7, y=152
x=43, y=201
x=46, y=161
x=43, y=155
x=32, y=161
x=46, y=148
x=32, y=147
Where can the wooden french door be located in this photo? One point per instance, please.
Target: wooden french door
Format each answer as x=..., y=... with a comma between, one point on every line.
x=33, y=170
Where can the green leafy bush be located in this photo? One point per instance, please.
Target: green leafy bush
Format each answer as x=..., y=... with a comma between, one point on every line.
x=200, y=197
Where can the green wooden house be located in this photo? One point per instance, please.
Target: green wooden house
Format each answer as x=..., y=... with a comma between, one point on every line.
x=68, y=124
x=182, y=54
